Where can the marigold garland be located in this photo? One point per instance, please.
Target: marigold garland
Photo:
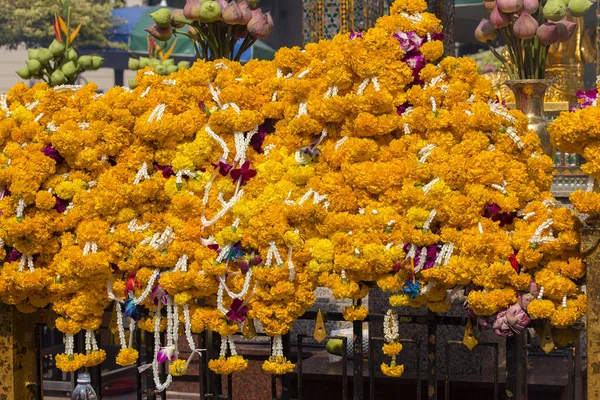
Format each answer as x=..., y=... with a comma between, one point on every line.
x=354, y=161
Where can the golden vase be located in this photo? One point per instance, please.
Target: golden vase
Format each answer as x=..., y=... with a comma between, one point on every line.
x=529, y=99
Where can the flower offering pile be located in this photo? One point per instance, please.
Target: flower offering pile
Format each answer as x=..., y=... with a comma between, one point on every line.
x=223, y=195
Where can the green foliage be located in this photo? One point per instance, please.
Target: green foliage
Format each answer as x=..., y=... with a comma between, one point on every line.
x=29, y=22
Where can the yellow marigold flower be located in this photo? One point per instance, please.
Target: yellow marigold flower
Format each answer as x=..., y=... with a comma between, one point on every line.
x=432, y=50
x=178, y=368
x=392, y=370
x=22, y=115
x=69, y=363
x=44, y=200
x=354, y=313
x=183, y=297
x=392, y=349
x=278, y=366
x=94, y=358
x=540, y=309
x=127, y=356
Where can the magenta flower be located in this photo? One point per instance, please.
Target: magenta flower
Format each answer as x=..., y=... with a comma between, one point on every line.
x=416, y=62
x=244, y=173
x=355, y=35
x=51, y=152
x=14, y=255
x=237, y=311
x=166, y=353
x=167, y=171
x=158, y=295
x=60, y=205
x=587, y=98
x=223, y=167
x=408, y=41
x=211, y=243
x=401, y=109
x=259, y=137
x=494, y=212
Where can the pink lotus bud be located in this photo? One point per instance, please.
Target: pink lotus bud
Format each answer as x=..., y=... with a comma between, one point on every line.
x=232, y=14
x=246, y=11
x=160, y=33
x=531, y=6
x=509, y=6
x=517, y=318
x=525, y=299
x=489, y=5
x=566, y=29
x=525, y=26
x=485, y=31
x=499, y=19
x=548, y=33
x=261, y=25
x=534, y=288
x=191, y=10
x=223, y=3
x=501, y=327
x=178, y=20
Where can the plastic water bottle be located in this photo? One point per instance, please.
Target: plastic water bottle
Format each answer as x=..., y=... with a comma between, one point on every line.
x=84, y=389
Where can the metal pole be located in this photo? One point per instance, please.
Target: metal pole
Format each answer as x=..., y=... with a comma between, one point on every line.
x=431, y=360
x=358, y=360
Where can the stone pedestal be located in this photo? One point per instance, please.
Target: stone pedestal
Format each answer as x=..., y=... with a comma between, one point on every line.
x=18, y=359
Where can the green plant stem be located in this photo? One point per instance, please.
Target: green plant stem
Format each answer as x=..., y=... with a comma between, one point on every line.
x=502, y=60
x=194, y=44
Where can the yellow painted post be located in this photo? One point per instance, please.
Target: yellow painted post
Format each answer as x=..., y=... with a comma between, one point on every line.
x=590, y=238
x=18, y=368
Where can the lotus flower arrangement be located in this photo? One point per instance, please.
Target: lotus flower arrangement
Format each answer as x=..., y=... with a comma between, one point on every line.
x=214, y=26
x=529, y=28
x=59, y=64
x=159, y=58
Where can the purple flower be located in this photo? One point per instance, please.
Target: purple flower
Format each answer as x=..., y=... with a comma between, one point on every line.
x=432, y=252
x=224, y=167
x=211, y=243
x=61, y=205
x=237, y=311
x=235, y=252
x=4, y=193
x=587, y=98
x=416, y=62
x=437, y=36
x=167, y=171
x=494, y=212
x=158, y=295
x=14, y=255
x=401, y=109
x=408, y=41
x=166, y=353
x=259, y=137
x=51, y=152
x=355, y=35
x=245, y=173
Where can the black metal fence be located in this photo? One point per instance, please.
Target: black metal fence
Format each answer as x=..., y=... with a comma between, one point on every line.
x=429, y=384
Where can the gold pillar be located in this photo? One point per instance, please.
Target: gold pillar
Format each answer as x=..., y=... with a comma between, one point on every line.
x=18, y=360
x=564, y=65
x=590, y=238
